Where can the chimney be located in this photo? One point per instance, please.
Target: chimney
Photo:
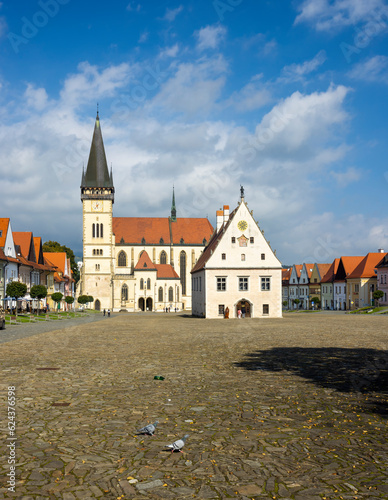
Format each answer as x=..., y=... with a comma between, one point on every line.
x=226, y=213
x=380, y=250
x=220, y=219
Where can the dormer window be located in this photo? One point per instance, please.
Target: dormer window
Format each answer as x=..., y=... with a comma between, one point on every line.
x=161, y=241
x=143, y=241
x=204, y=241
x=182, y=241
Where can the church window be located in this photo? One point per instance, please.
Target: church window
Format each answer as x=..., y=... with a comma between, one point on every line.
x=160, y=297
x=170, y=294
x=124, y=292
x=224, y=256
x=94, y=251
x=101, y=230
x=177, y=294
x=142, y=284
x=94, y=230
x=97, y=230
x=163, y=257
x=148, y=284
x=183, y=271
x=97, y=267
x=101, y=252
x=122, y=260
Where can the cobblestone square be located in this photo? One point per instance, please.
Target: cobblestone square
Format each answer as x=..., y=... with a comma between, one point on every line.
x=292, y=408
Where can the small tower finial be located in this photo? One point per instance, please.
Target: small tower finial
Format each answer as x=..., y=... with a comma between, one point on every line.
x=242, y=192
x=97, y=113
x=173, y=207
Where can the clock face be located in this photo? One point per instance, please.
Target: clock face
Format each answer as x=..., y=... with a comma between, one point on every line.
x=97, y=206
x=242, y=225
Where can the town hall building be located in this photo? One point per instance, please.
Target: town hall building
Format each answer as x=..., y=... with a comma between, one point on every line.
x=238, y=274
x=134, y=263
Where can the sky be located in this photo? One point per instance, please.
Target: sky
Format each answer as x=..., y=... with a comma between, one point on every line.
x=287, y=98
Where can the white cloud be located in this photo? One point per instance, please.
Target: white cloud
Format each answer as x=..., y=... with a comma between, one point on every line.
x=91, y=81
x=36, y=98
x=194, y=88
x=374, y=69
x=252, y=96
x=295, y=72
x=327, y=15
x=345, y=178
x=143, y=37
x=133, y=7
x=169, y=51
x=171, y=14
x=210, y=37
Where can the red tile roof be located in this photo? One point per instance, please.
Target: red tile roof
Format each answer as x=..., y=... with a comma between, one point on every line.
x=24, y=240
x=366, y=268
x=309, y=269
x=323, y=268
x=58, y=259
x=132, y=230
x=166, y=271
x=286, y=274
x=329, y=276
x=145, y=263
x=4, y=223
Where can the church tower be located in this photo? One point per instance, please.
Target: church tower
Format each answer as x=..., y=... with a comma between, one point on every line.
x=97, y=196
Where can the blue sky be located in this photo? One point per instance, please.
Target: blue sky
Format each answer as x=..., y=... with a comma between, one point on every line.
x=287, y=98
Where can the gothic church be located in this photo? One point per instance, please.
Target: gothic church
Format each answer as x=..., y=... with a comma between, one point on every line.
x=134, y=263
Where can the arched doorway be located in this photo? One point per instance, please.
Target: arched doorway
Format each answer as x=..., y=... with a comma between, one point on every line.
x=244, y=305
x=141, y=304
x=97, y=305
x=149, y=304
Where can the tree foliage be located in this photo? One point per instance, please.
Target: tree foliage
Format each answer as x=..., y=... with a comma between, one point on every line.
x=16, y=290
x=38, y=292
x=57, y=297
x=83, y=299
x=54, y=246
x=69, y=299
x=378, y=294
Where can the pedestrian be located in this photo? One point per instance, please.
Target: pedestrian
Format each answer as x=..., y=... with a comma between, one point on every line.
x=108, y=313
x=227, y=313
x=239, y=314
x=104, y=312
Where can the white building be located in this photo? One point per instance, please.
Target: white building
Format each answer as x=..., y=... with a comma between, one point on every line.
x=237, y=270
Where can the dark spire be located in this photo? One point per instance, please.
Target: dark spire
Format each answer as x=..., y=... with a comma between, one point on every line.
x=173, y=207
x=97, y=174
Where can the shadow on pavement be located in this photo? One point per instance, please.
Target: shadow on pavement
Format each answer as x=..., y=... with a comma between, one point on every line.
x=345, y=370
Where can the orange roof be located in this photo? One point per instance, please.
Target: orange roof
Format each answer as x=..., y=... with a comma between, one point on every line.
x=323, y=268
x=350, y=263
x=4, y=223
x=132, y=230
x=25, y=240
x=329, y=276
x=286, y=273
x=144, y=263
x=58, y=259
x=166, y=271
x=2, y=255
x=309, y=269
x=298, y=269
x=366, y=268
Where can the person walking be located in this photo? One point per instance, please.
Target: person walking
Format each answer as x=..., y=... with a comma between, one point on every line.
x=108, y=313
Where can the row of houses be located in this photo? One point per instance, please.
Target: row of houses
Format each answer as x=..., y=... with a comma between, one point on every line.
x=22, y=259
x=347, y=283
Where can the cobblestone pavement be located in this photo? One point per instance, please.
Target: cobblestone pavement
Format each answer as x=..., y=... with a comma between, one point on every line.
x=294, y=408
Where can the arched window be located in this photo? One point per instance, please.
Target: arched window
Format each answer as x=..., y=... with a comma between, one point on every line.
x=182, y=260
x=97, y=230
x=142, y=284
x=160, y=294
x=101, y=230
x=124, y=293
x=170, y=294
x=122, y=259
x=163, y=257
x=148, y=284
x=177, y=294
x=94, y=230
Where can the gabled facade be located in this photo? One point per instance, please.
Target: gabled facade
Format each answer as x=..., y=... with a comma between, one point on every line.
x=293, y=287
x=382, y=274
x=327, y=287
x=237, y=271
x=113, y=246
x=10, y=264
x=346, y=266
x=286, y=273
x=304, y=282
x=362, y=282
x=318, y=272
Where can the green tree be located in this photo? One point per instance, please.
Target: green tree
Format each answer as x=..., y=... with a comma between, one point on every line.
x=378, y=294
x=316, y=300
x=285, y=302
x=38, y=292
x=57, y=297
x=90, y=299
x=83, y=299
x=16, y=290
x=296, y=301
x=69, y=299
x=54, y=246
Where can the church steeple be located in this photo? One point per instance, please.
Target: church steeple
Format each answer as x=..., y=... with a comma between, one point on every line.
x=97, y=174
x=173, y=207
